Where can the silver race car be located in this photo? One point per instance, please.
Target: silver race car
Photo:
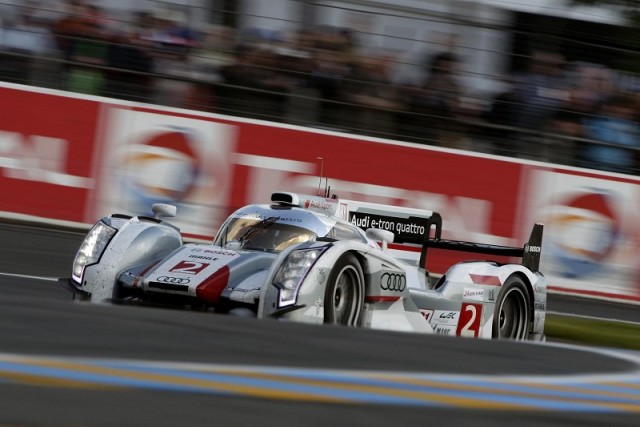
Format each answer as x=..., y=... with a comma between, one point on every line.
x=318, y=259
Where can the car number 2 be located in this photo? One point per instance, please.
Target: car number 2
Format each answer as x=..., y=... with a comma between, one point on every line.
x=469, y=323
x=189, y=267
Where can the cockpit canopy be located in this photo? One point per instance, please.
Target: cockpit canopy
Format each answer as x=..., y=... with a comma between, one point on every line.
x=275, y=228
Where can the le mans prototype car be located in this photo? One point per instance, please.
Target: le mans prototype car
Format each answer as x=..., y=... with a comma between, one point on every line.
x=318, y=259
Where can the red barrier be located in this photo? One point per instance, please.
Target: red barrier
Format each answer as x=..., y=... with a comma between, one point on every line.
x=46, y=150
x=75, y=158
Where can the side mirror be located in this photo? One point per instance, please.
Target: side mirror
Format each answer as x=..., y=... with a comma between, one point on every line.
x=379, y=235
x=163, y=210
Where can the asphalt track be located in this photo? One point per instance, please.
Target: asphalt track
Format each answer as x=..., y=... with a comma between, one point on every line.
x=64, y=363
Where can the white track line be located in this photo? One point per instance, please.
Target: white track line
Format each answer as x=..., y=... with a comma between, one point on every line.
x=26, y=276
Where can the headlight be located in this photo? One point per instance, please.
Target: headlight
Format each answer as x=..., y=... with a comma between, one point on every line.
x=91, y=249
x=292, y=271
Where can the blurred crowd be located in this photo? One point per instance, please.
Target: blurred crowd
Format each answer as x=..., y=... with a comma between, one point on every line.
x=572, y=113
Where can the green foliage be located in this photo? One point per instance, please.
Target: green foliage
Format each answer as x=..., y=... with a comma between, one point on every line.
x=593, y=332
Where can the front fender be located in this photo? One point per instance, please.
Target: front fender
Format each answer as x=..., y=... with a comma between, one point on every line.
x=309, y=303
x=136, y=241
x=269, y=306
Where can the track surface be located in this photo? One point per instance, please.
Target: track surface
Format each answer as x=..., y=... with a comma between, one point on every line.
x=37, y=318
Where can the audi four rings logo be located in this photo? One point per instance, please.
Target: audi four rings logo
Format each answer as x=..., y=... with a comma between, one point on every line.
x=174, y=280
x=393, y=282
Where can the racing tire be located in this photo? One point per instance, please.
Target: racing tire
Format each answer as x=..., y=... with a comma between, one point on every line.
x=344, y=294
x=512, y=314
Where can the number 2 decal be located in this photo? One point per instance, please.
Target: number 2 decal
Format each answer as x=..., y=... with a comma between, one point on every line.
x=469, y=323
x=189, y=267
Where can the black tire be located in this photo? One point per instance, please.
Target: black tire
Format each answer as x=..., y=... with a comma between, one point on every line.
x=118, y=293
x=344, y=294
x=512, y=314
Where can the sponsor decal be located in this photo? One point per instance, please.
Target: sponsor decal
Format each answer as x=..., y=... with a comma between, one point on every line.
x=440, y=318
x=203, y=257
x=325, y=205
x=258, y=216
x=395, y=282
x=492, y=295
x=473, y=294
x=213, y=251
x=406, y=229
x=444, y=330
x=531, y=248
x=189, y=267
x=445, y=317
x=154, y=157
x=590, y=230
x=37, y=158
x=539, y=306
x=427, y=314
x=242, y=290
x=583, y=228
x=173, y=280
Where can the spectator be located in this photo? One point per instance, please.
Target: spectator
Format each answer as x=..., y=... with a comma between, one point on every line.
x=586, y=92
x=333, y=59
x=253, y=88
x=130, y=61
x=318, y=77
x=83, y=36
x=435, y=105
x=69, y=27
x=617, y=129
x=172, y=41
x=371, y=95
x=294, y=57
x=206, y=60
x=539, y=93
x=328, y=77
x=214, y=52
x=501, y=118
x=28, y=49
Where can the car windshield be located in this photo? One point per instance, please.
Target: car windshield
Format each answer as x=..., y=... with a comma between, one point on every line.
x=265, y=234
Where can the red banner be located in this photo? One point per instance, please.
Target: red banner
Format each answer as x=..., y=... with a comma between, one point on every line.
x=74, y=158
x=46, y=148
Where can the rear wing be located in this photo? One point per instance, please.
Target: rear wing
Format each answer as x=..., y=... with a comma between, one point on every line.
x=529, y=253
x=422, y=227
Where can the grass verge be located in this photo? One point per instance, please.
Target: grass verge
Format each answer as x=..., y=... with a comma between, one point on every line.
x=592, y=331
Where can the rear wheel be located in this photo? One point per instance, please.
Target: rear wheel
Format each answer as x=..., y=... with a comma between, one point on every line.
x=344, y=295
x=512, y=313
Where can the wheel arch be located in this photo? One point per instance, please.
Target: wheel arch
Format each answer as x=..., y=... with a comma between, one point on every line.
x=366, y=267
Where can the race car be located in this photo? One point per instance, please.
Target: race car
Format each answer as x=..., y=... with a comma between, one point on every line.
x=318, y=259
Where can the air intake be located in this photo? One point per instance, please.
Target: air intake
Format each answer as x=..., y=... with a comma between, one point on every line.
x=286, y=199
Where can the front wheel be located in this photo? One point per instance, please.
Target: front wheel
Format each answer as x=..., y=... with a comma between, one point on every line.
x=344, y=295
x=512, y=313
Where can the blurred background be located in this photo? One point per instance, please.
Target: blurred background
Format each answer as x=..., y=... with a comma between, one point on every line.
x=549, y=80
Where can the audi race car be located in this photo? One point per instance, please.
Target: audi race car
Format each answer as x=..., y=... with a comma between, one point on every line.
x=318, y=260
